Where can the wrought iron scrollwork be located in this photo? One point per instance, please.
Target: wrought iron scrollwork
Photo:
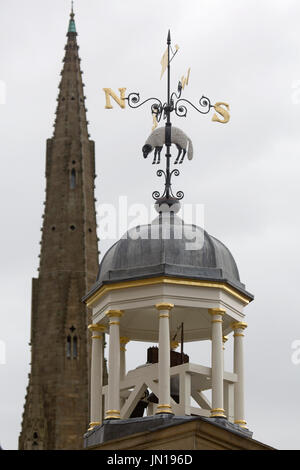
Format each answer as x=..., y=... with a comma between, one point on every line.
x=176, y=95
x=159, y=110
x=134, y=102
x=168, y=193
x=176, y=105
x=181, y=110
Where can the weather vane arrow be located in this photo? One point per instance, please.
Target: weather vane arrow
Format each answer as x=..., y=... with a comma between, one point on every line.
x=168, y=135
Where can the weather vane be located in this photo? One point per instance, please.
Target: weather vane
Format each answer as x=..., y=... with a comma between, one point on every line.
x=168, y=135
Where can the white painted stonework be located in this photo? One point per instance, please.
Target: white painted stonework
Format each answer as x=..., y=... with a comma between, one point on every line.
x=208, y=313
x=191, y=304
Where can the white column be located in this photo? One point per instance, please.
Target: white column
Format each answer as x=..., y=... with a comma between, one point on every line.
x=113, y=401
x=164, y=359
x=96, y=375
x=224, y=339
x=123, y=341
x=227, y=389
x=217, y=362
x=239, y=411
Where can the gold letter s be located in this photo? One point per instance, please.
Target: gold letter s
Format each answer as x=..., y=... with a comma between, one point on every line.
x=109, y=93
x=222, y=111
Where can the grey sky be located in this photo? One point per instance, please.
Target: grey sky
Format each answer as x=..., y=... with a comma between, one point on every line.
x=246, y=173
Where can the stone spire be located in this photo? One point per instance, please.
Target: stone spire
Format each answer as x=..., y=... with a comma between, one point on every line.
x=56, y=409
x=71, y=112
x=70, y=171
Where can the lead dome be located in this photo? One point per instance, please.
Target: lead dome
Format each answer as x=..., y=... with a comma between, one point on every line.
x=169, y=247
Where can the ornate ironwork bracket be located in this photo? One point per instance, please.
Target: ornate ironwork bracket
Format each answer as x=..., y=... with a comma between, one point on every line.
x=168, y=194
x=159, y=109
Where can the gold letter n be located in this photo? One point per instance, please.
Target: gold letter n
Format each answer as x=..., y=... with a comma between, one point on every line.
x=120, y=101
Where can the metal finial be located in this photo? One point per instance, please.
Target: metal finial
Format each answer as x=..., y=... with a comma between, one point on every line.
x=72, y=26
x=169, y=38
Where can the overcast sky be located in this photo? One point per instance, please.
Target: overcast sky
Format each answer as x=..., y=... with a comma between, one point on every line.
x=245, y=173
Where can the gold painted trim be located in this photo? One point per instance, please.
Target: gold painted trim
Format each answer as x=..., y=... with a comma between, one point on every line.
x=114, y=313
x=112, y=414
x=217, y=321
x=164, y=315
x=225, y=338
x=96, y=327
x=216, y=311
x=114, y=323
x=93, y=425
x=241, y=422
x=217, y=412
x=124, y=339
x=165, y=280
x=97, y=337
x=164, y=408
x=238, y=334
x=239, y=325
x=164, y=306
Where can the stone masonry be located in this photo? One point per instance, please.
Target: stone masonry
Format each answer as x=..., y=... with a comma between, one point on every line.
x=56, y=411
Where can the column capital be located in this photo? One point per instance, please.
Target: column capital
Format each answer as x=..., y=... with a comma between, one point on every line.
x=123, y=341
x=164, y=306
x=239, y=325
x=114, y=313
x=97, y=328
x=217, y=311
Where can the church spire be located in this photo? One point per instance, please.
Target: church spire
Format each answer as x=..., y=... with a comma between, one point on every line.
x=71, y=118
x=56, y=407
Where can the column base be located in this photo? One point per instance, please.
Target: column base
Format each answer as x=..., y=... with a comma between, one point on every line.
x=217, y=413
x=112, y=414
x=93, y=425
x=241, y=422
x=162, y=409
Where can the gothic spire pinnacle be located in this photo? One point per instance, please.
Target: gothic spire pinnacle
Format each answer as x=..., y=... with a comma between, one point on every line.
x=72, y=27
